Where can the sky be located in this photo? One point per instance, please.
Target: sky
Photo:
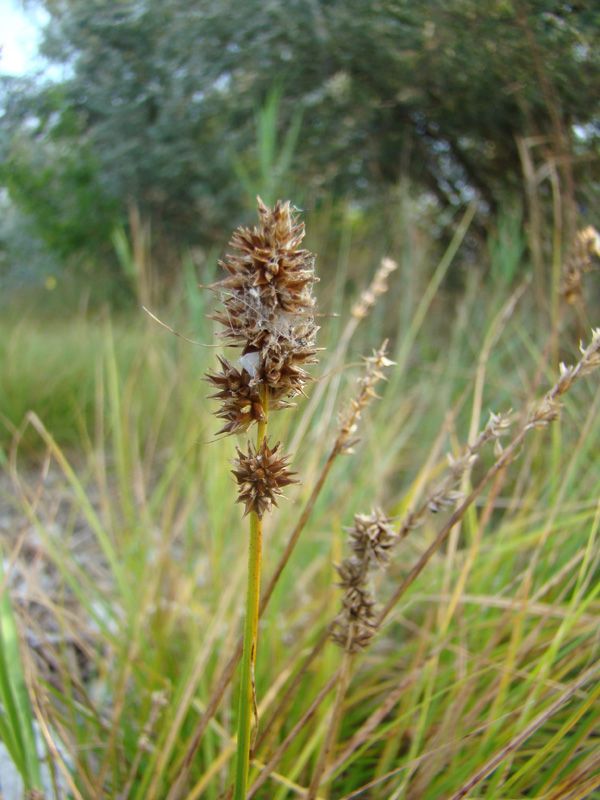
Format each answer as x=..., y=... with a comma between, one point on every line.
x=19, y=34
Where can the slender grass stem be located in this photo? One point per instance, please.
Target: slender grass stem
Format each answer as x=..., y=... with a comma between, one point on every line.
x=304, y=719
x=229, y=670
x=248, y=659
x=247, y=689
x=329, y=742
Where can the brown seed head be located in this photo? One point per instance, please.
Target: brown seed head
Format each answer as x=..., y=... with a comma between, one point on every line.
x=240, y=405
x=268, y=290
x=268, y=311
x=354, y=626
x=349, y=417
x=261, y=476
x=372, y=537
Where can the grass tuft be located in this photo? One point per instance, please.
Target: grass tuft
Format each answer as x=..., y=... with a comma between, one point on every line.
x=459, y=656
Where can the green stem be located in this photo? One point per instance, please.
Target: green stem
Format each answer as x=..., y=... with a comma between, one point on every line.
x=250, y=635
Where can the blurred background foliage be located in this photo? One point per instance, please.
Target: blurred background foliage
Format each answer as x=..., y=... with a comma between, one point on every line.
x=459, y=139
x=184, y=109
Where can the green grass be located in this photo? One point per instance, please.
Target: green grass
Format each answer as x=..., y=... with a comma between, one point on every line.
x=16, y=721
x=485, y=646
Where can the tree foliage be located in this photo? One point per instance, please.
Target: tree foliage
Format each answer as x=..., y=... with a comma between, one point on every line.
x=158, y=100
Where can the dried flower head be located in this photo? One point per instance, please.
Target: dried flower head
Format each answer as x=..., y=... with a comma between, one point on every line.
x=354, y=626
x=268, y=311
x=261, y=476
x=372, y=537
x=350, y=416
x=240, y=401
x=240, y=398
x=549, y=408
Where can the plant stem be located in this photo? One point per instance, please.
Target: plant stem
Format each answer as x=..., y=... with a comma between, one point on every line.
x=329, y=742
x=250, y=635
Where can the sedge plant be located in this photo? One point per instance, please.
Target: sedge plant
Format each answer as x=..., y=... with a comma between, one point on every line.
x=447, y=667
x=268, y=312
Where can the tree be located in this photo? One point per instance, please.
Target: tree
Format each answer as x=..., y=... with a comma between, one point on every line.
x=159, y=98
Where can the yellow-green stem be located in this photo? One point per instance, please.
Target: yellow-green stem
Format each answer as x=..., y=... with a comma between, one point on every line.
x=250, y=635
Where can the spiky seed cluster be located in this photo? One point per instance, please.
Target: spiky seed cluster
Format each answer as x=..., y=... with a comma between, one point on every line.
x=355, y=625
x=350, y=416
x=240, y=398
x=445, y=495
x=260, y=475
x=371, y=539
x=268, y=311
x=548, y=409
x=240, y=402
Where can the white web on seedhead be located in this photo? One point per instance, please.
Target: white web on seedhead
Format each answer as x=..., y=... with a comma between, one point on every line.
x=283, y=326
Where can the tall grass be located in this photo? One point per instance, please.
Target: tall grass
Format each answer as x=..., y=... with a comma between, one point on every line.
x=481, y=678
